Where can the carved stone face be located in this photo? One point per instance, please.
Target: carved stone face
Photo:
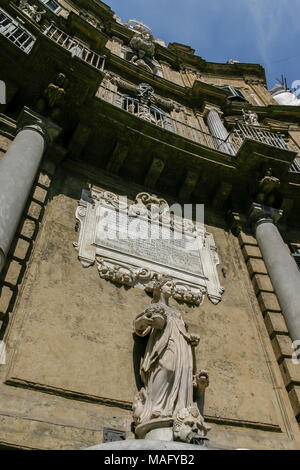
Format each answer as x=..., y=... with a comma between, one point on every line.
x=188, y=425
x=167, y=288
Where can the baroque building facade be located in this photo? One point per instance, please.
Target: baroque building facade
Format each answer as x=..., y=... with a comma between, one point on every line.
x=100, y=118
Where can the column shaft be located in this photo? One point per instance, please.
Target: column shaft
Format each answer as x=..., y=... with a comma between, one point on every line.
x=17, y=172
x=218, y=130
x=283, y=272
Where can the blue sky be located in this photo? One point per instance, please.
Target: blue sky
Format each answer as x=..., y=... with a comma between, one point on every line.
x=257, y=31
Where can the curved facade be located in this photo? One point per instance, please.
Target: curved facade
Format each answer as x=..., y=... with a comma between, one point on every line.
x=94, y=109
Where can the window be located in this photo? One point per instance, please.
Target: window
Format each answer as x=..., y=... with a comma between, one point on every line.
x=235, y=93
x=150, y=113
x=15, y=32
x=52, y=5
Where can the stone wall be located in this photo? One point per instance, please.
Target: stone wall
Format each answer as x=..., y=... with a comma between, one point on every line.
x=70, y=361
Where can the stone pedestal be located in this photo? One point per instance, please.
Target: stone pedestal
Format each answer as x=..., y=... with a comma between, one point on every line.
x=160, y=434
x=18, y=169
x=281, y=266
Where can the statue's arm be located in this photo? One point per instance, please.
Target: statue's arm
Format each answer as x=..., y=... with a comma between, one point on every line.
x=141, y=325
x=145, y=321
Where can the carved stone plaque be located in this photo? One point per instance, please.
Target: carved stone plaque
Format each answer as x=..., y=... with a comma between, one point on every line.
x=134, y=244
x=141, y=239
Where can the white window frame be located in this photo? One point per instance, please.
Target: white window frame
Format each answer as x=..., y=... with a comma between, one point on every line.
x=56, y=11
x=9, y=33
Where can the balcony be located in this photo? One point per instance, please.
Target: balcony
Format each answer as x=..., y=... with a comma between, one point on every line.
x=231, y=145
x=15, y=32
x=295, y=166
x=246, y=131
x=158, y=117
x=75, y=48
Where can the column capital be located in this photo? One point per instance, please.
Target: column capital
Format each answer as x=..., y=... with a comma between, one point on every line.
x=29, y=119
x=211, y=107
x=260, y=214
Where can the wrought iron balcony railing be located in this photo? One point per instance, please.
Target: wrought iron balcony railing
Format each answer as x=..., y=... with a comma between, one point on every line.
x=15, y=32
x=246, y=131
x=295, y=166
x=75, y=48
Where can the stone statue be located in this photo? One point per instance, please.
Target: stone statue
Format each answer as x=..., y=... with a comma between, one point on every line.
x=250, y=118
x=167, y=366
x=268, y=187
x=53, y=99
x=142, y=43
x=31, y=11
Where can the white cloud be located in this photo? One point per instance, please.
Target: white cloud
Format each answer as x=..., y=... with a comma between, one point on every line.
x=271, y=18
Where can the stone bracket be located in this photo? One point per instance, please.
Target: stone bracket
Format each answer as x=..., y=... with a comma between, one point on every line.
x=154, y=172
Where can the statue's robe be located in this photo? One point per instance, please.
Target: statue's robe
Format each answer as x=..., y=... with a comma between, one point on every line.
x=167, y=368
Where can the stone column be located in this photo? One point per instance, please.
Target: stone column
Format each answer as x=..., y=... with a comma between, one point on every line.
x=218, y=130
x=281, y=266
x=18, y=169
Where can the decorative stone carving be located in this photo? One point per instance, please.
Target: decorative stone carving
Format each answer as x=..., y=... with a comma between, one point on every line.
x=191, y=71
x=122, y=274
x=53, y=99
x=233, y=61
x=142, y=43
x=268, y=188
x=31, y=11
x=91, y=19
x=118, y=19
x=189, y=426
x=108, y=236
x=250, y=118
x=144, y=93
x=189, y=295
x=166, y=370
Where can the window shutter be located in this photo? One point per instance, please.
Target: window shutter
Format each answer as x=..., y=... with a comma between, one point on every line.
x=235, y=94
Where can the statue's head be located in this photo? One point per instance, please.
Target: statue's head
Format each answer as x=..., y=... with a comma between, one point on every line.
x=269, y=172
x=163, y=287
x=60, y=79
